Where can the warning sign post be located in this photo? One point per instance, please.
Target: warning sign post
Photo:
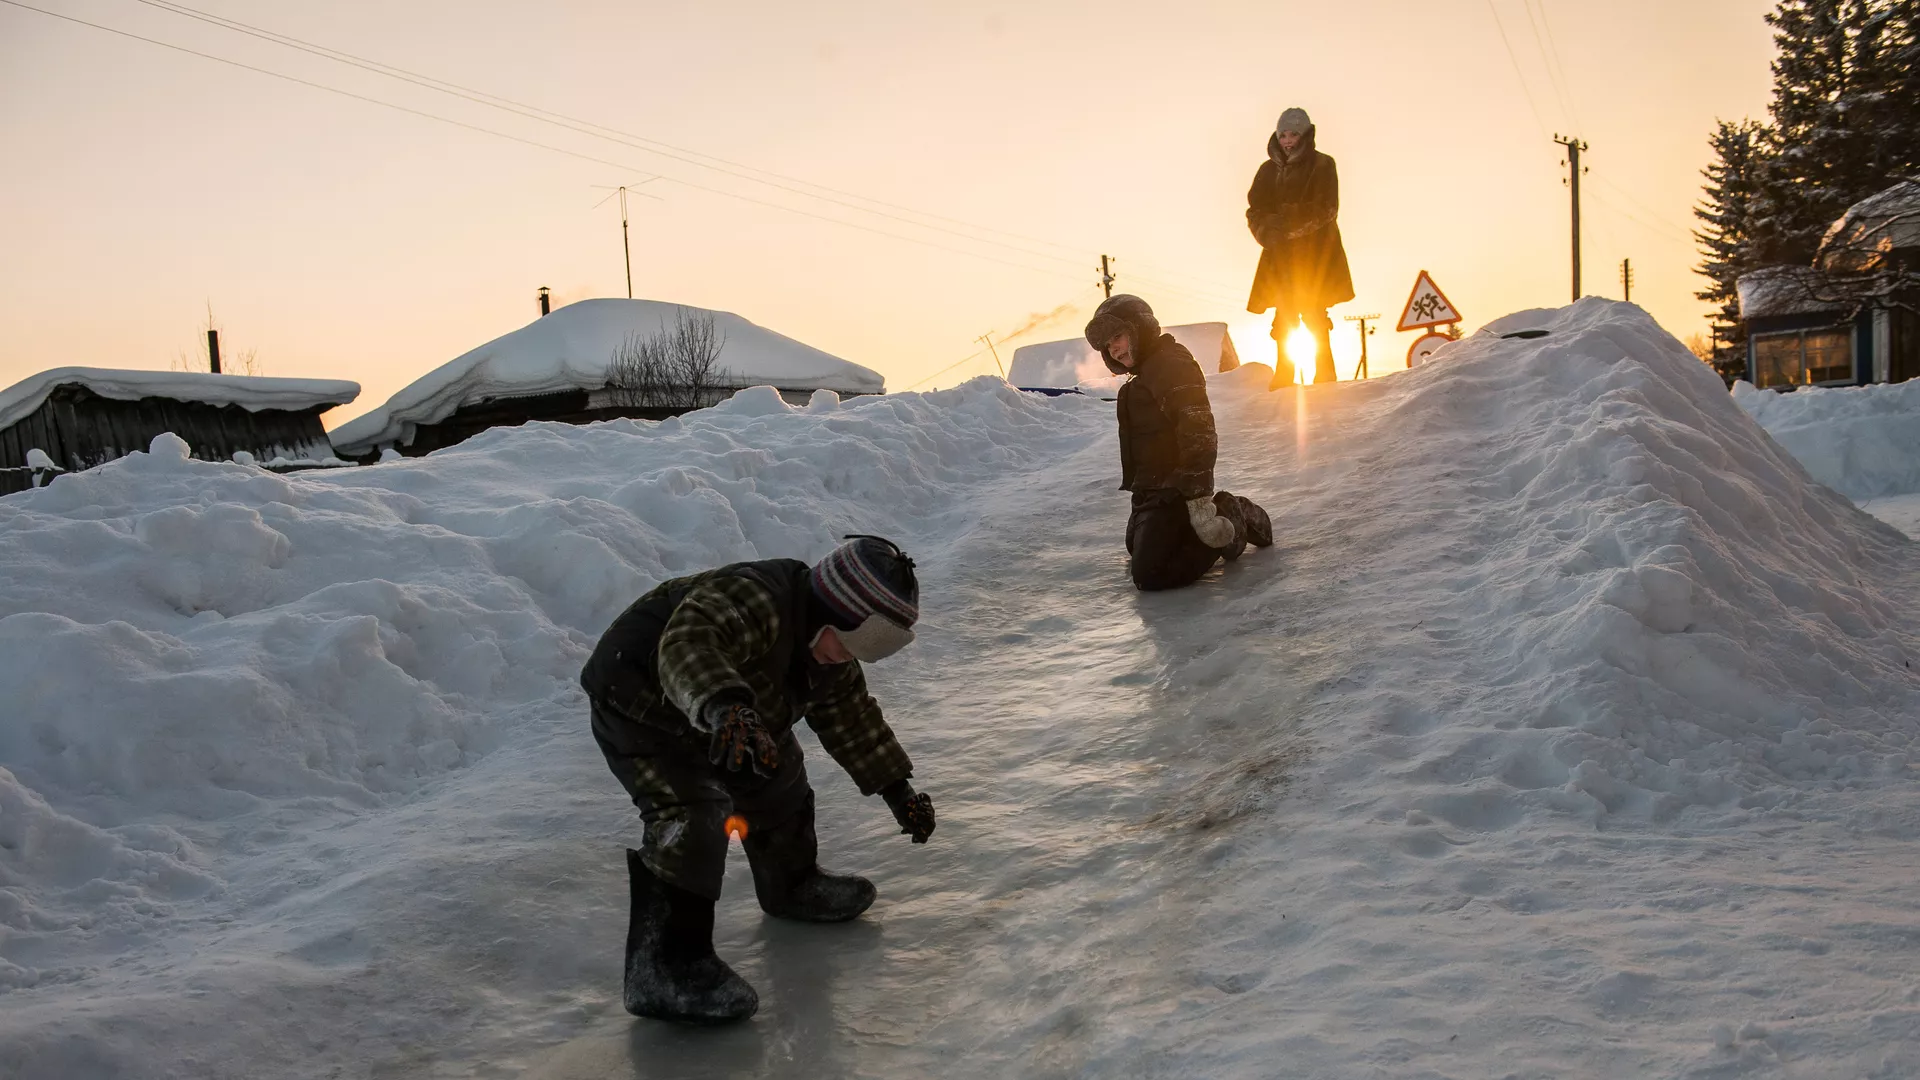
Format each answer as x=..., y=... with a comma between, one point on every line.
x=1427, y=306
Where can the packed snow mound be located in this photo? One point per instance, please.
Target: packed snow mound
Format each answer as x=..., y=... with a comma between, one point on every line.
x=1862, y=441
x=1665, y=611
x=1074, y=363
x=1563, y=683
x=570, y=350
x=184, y=641
x=250, y=392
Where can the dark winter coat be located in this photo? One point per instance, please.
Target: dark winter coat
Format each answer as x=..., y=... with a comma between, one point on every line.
x=1293, y=209
x=1167, y=439
x=741, y=632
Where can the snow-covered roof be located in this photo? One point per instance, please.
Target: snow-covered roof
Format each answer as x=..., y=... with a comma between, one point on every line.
x=250, y=392
x=1073, y=362
x=570, y=350
x=1872, y=228
x=1785, y=290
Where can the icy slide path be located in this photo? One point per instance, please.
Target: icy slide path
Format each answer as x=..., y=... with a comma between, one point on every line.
x=1565, y=733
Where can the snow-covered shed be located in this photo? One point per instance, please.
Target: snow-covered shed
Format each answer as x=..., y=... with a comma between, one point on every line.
x=564, y=366
x=79, y=417
x=1852, y=316
x=1056, y=364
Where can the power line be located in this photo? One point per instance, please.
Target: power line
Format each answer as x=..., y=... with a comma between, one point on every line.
x=651, y=145
x=1665, y=233
x=1656, y=214
x=1517, y=73
x=1550, y=59
x=1072, y=302
x=638, y=142
x=532, y=142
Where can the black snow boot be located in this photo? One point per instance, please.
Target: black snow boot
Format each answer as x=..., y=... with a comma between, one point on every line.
x=1259, y=526
x=672, y=973
x=1228, y=506
x=790, y=883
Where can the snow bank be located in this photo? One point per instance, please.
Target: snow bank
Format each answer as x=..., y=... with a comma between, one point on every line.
x=570, y=349
x=1862, y=441
x=250, y=392
x=1567, y=730
x=200, y=659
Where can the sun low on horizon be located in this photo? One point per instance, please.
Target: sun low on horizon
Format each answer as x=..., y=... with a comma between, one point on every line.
x=362, y=193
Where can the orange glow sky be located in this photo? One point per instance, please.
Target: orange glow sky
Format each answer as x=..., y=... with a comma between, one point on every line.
x=338, y=238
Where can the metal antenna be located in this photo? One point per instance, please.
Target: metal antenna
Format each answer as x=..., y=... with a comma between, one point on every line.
x=626, y=249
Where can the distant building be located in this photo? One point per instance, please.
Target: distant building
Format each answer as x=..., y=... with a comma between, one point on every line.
x=567, y=367
x=1853, y=317
x=81, y=417
x=1057, y=365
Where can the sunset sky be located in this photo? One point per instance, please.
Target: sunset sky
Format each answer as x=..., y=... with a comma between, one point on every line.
x=340, y=237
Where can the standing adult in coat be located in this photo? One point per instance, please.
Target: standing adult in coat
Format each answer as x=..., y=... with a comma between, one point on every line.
x=1293, y=209
x=1180, y=526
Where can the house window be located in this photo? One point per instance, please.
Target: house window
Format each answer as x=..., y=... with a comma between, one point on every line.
x=1803, y=357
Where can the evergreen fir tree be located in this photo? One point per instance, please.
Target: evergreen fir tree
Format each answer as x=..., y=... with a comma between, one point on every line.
x=1725, y=236
x=1811, y=175
x=1846, y=116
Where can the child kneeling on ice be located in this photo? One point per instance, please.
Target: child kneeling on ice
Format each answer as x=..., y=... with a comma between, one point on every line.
x=1180, y=526
x=695, y=690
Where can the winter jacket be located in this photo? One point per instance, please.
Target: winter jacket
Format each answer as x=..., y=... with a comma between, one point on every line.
x=742, y=632
x=1293, y=210
x=1167, y=439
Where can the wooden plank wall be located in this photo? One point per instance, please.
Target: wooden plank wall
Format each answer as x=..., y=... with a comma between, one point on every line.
x=79, y=429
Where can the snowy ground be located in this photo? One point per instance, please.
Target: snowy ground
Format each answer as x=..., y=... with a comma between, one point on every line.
x=1565, y=732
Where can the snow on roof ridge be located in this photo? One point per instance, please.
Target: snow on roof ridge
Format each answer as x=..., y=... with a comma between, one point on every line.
x=569, y=350
x=250, y=392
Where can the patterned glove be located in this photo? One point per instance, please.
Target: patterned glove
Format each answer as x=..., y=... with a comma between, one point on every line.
x=913, y=812
x=740, y=740
x=1212, y=529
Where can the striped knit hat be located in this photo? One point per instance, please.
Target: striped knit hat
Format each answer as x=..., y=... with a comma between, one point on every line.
x=870, y=593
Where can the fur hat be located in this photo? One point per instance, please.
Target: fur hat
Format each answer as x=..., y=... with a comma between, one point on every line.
x=1120, y=314
x=870, y=596
x=1294, y=120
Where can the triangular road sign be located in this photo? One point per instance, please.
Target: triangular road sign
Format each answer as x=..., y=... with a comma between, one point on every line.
x=1427, y=306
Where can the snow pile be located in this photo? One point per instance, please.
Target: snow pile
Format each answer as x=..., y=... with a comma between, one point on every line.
x=1074, y=363
x=570, y=350
x=1693, y=623
x=203, y=658
x=1862, y=441
x=250, y=392
x=1566, y=730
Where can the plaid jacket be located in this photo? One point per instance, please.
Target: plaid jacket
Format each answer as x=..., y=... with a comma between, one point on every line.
x=735, y=633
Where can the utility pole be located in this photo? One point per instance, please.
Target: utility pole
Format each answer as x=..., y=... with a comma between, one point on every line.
x=988, y=338
x=1574, y=148
x=1361, y=371
x=1626, y=279
x=1106, y=276
x=626, y=248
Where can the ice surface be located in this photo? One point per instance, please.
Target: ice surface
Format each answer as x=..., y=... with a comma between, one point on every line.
x=1566, y=731
x=250, y=392
x=570, y=349
x=1862, y=441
